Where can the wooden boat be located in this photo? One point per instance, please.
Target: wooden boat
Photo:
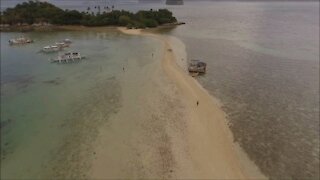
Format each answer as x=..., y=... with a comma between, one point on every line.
x=197, y=67
x=62, y=44
x=21, y=40
x=68, y=57
x=67, y=41
x=48, y=49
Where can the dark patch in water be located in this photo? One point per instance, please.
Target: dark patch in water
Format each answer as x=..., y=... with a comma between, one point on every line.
x=20, y=82
x=4, y=145
x=5, y=152
x=5, y=123
x=17, y=79
x=62, y=125
x=272, y=105
x=56, y=81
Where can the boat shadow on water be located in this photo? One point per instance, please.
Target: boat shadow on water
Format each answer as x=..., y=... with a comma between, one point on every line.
x=5, y=146
x=17, y=82
x=55, y=81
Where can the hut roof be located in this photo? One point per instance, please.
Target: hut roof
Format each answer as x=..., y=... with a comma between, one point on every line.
x=196, y=62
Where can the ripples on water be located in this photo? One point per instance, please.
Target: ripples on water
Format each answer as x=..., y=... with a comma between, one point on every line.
x=263, y=64
x=272, y=107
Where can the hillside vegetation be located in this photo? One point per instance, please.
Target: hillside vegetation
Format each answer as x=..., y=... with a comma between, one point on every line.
x=43, y=12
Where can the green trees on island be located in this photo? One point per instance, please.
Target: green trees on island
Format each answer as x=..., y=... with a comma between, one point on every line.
x=43, y=12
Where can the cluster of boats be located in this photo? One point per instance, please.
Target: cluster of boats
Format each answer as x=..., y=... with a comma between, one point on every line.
x=195, y=67
x=67, y=57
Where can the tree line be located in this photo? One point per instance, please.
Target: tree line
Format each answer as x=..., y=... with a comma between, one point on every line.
x=43, y=12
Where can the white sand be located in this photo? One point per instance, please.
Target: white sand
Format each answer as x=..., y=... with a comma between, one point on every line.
x=160, y=132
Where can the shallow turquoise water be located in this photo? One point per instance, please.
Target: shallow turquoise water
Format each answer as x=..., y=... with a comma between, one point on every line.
x=50, y=111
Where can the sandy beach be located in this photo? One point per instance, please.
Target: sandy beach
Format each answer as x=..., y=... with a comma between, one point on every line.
x=168, y=135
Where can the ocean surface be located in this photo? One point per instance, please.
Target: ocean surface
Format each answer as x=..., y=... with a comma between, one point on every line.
x=263, y=65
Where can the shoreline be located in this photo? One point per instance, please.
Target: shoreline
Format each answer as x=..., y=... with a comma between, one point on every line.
x=203, y=147
x=50, y=28
x=212, y=149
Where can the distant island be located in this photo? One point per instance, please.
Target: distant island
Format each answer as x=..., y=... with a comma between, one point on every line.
x=44, y=13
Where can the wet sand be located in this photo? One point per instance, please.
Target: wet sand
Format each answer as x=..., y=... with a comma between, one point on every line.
x=160, y=132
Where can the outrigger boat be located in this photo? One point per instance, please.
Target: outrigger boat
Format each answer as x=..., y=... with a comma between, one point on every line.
x=67, y=41
x=49, y=49
x=62, y=44
x=21, y=40
x=54, y=48
x=197, y=67
x=68, y=57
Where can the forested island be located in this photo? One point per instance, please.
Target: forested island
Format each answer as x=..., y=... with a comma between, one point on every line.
x=36, y=12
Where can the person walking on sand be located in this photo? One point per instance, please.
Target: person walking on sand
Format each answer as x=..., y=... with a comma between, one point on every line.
x=152, y=54
x=197, y=103
x=123, y=69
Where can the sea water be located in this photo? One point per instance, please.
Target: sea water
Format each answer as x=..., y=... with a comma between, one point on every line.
x=50, y=113
x=263, y=64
